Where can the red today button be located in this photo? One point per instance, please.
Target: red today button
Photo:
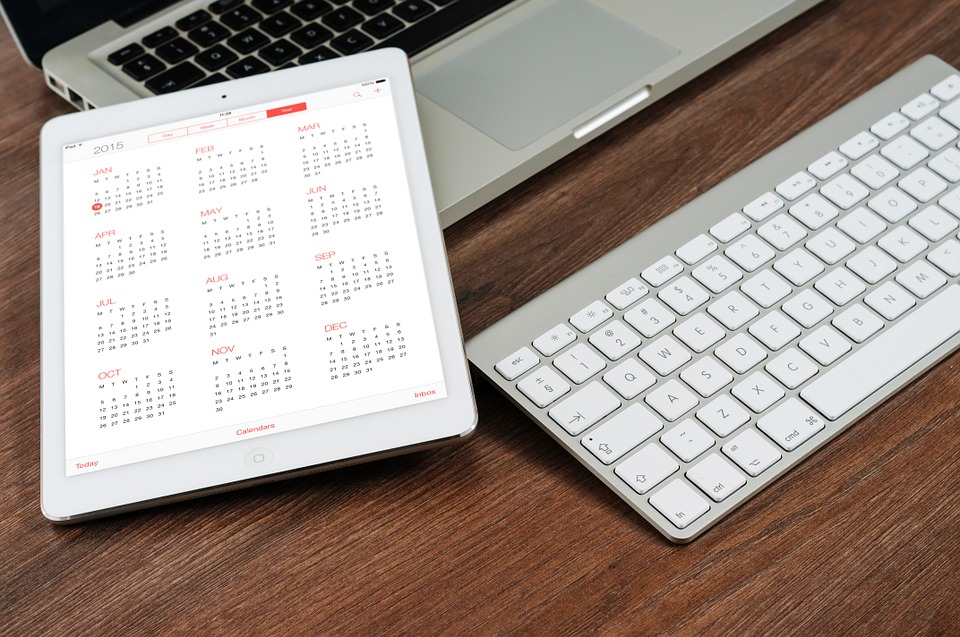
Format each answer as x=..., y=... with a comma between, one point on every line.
x=286, y=110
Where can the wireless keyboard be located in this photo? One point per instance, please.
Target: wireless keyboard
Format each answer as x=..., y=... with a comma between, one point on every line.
x=706, y=356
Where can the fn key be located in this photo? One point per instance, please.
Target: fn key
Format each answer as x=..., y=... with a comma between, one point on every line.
x=180, y=76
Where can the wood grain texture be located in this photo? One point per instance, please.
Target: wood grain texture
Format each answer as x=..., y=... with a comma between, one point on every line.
x=506, y=534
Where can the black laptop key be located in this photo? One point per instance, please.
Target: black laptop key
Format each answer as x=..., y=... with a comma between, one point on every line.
x=248, y=41
x=246, y=67
x=269, y=6
x=176, y=50
x=241, y=17
x=342, y=19
x=193, y=20
x=413, y=10
x=220, y=6
x=317, y=55
x=443, y=3
x=216, y=78
x=209, y=34
x=143, y=67
x=373, y=7
x=157, y=38
x=125, y=54
x=276, y=53
x=351, y=42
x=179, y=77
x=216, y=57
x=310, y=36
x=279, y=24
x=382, y=26
x=311, y=9
x=441, y=24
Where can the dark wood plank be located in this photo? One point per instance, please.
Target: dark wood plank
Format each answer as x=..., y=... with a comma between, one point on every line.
x=505, y=534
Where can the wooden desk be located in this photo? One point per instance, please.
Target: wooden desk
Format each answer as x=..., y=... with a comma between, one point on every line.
x=506, y=534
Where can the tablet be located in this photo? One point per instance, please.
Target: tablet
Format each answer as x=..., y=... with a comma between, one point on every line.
x=240, y=283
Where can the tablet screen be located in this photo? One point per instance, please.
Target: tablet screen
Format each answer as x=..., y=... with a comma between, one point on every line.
x=241, y=274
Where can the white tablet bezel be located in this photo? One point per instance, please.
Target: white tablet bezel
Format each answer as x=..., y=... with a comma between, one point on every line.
x=314, y=448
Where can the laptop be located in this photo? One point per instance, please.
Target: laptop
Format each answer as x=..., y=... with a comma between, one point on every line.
x=504, y=87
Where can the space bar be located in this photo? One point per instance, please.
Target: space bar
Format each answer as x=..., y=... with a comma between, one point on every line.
x=880, y=361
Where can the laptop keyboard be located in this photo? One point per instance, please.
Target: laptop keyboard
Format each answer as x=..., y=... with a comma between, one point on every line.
x=713, y=352
x=237, y=38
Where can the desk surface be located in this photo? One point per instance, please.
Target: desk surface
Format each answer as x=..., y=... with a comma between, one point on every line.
x=506, y=533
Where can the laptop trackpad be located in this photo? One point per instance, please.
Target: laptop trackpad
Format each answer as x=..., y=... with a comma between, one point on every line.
x=524, y=82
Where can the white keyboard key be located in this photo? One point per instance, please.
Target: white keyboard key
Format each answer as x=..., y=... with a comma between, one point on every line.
x=892, y=204
x=862, y=225
x=799, y=266
x=952, y=114
x=923, y=185
x=554, y=340
x=798, y=185
x=782, y=232
x=753, y=453
x=706, y=376
x=733, y=310
x=723, y=415
x=579, y=363
x=947, y=257
x=814, y=211
x=790, y=424
x=697, y=248
x=890, y=353
x=845, y=191
x=890, y=126
x=758, y=392
x=890, y=300
x=858, y=323
x=741, y=353
x=859, y=145
x=825, y=345
x=774, y=330
x=871, y=264
x=830, y=246
x=585, y=408
x=665, y=355
x=766, y=288
x=620, y=434
x=699, y=332
x=792, y=368
x=543, y=386
x=629, y=378
x=662, y=271
x=947, y=165
x=591, y=316
x=733, y=226
x=517, y=364
x=716, y=477
x=749, y=252
x=840, y=286
x=920, y=106
x=905, y=152
x=614, y=340
x=687, y=440
x=763, y=206
x=717, y=274
x=679, y=503
x=683, y=295
x=647, y=468
x=875, y=171
x=951, y=202
x=921, y=279
x=934, y=133
x=627, y=293
x=808, y=308
x=902, y=243
x=933, y=223
x=947, y=89
x=650, y=317
x=827, y=166
x=672, y=400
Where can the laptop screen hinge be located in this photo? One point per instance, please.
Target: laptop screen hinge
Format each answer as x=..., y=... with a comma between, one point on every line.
x=133, y=15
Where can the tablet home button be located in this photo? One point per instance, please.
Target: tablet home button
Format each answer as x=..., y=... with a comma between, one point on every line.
x=259, y=457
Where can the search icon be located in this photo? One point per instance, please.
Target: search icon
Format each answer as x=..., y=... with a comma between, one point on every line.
x=357, y=94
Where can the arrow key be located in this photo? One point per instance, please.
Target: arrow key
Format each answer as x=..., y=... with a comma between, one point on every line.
x=579, y=412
